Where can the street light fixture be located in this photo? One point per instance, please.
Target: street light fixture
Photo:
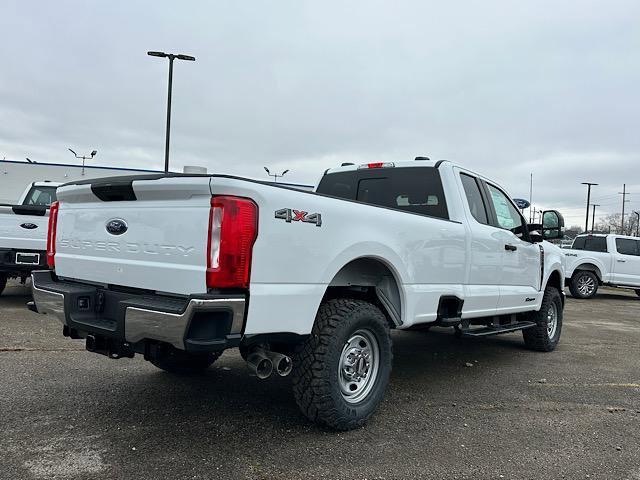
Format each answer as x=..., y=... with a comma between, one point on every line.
x=275, y=175
x=586, y=222
x=84, y=157
x=171, y=57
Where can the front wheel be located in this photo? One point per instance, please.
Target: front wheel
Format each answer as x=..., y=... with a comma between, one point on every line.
x=638, y=292
x=584, y=284
x=181, y=362
x=342, y=370
x=3, y=282
x=545, y=335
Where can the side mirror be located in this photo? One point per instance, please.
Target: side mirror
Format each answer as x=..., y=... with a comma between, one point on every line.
x=552, y=225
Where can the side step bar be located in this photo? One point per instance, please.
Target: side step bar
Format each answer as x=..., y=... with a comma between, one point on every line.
x=495, y=330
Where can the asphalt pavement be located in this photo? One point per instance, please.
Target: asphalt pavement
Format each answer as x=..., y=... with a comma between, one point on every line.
x=455, y=409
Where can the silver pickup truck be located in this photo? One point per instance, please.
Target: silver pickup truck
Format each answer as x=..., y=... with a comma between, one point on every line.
x=23, y=232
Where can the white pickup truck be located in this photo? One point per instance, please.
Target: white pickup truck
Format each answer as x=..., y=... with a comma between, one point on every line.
x=23, y=232
x=181, y=267
x=594, y=260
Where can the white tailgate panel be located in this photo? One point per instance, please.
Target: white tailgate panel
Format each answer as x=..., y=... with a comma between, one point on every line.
x=12, y=235
x=163, y=249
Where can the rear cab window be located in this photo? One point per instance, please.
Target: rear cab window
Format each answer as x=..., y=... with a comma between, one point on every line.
x=591, y=244
x=410, y=189
x=40, y=196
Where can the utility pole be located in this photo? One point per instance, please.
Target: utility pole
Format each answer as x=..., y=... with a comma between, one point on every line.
x=624, y=194
x=530, y=196
x=593, y=219
x=171, y=57
x=586, y=222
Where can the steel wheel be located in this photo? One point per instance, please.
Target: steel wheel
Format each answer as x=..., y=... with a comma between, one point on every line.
x=358, y=366
x=586, y=285
x=552, y=320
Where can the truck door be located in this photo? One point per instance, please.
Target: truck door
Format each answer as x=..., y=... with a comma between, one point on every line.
x=626, y=264
x=521, y=268
x=483, y=268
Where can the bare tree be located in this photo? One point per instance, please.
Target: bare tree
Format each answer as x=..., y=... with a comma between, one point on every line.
x=611, y=224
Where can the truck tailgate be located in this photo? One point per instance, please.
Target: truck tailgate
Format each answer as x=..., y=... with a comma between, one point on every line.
x=22, y=230
x=144, y=233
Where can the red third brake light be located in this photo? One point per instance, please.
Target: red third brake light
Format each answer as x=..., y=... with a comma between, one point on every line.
x=233, y=228
x=51, y=234
x=377, y=165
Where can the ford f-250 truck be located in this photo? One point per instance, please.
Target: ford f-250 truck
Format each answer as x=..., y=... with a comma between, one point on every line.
x=594, y=260
x=23, y=232
x=179, y=268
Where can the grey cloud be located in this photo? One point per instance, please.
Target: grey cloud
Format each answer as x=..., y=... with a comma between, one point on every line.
x=505, y=88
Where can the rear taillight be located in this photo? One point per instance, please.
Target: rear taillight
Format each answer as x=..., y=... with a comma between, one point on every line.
x=51, y=234
x=233, y=228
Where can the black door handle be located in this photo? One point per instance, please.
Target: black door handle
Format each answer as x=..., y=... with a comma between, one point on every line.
x=510, y=248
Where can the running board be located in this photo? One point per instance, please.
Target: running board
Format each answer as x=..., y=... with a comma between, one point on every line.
x=498, y=329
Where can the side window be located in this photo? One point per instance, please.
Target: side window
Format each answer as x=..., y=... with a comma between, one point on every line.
x=626, y=246
x=508, y=216
x=474, y=198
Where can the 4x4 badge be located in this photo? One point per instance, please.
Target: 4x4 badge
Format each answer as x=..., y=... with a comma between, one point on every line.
x=290, y=215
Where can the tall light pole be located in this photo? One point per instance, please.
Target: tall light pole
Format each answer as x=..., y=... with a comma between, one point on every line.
x=84, y=157
x=275, y=175
x=593, y=219
x=624, y=194
x=586, y=222
x=171, y=57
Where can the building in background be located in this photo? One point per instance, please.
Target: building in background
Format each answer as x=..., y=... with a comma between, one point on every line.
x=15, y=176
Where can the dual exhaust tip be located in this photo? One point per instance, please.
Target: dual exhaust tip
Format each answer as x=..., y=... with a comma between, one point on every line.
x=264, y=362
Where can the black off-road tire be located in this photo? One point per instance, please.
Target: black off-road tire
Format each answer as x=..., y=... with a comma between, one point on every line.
x=638, y=292
x=3, y=282
x=583, y=275
x=316, y=371
x=183, y=363
x=538, y=338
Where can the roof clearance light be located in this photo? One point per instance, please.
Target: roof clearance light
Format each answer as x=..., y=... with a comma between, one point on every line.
x=377, y=165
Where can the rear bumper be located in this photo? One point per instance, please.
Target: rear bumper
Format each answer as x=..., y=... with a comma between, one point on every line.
x=200, y=323
x=18, y=262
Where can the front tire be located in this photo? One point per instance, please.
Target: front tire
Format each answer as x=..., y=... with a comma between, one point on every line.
x=544, y=337
x=183, y=363
x=3, y=282
x=342, y=370
x=638, y=292
x=584, y=284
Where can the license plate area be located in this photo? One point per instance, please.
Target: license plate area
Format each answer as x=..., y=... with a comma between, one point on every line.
x=23, y=258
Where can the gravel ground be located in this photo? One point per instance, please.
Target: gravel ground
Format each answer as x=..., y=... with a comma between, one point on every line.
x=574, y=413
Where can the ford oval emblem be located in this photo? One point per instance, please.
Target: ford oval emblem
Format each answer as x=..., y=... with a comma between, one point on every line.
x=29, y=226
x=116, y=226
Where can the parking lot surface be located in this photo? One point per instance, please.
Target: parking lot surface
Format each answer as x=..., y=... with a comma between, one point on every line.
x=472, y=409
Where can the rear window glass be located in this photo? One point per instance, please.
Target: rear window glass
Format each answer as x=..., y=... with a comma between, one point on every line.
x=626, y=246
x=413, y=189
x=41, y=196
x=592, y=244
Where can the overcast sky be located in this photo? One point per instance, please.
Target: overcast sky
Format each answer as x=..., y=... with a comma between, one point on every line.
x=503, y=87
